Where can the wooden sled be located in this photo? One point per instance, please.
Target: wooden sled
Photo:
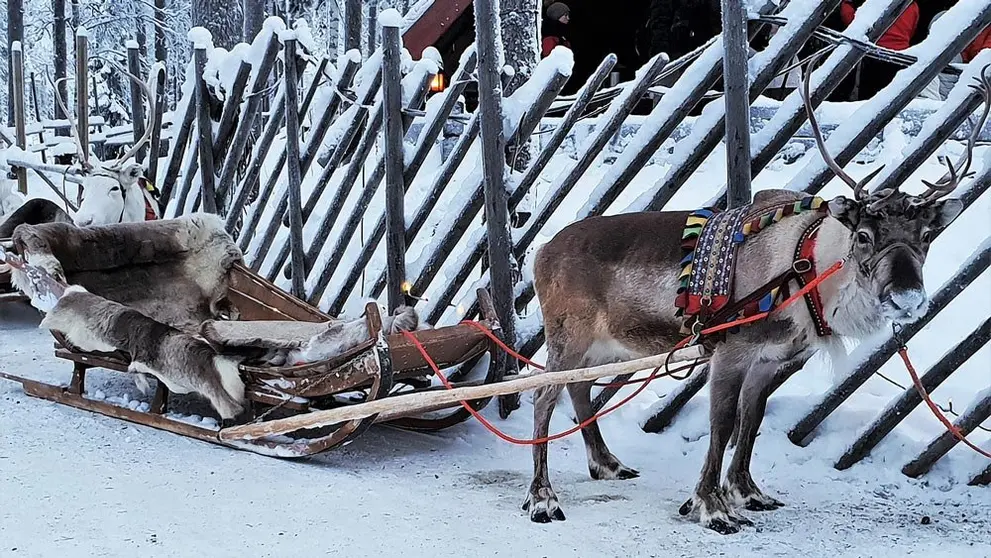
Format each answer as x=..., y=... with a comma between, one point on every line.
x=369, y=372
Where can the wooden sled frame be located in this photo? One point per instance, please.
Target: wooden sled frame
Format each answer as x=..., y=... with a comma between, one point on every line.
x=370, y=371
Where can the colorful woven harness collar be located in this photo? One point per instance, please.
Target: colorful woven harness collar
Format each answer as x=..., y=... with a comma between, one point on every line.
x=710, y=241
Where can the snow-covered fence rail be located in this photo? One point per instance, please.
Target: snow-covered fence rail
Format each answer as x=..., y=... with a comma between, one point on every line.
x=343, y=159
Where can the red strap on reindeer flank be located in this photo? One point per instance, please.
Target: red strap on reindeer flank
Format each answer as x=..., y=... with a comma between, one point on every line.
x=805, y=266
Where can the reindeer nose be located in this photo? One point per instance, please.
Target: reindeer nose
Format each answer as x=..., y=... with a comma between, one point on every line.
x=912, y=302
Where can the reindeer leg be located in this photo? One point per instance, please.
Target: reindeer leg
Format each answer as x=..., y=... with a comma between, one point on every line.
x=602, y=464
x=541, y=501
x=725, y=381
x=760, y=382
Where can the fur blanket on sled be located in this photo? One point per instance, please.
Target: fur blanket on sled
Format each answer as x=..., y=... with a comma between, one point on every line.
x=158, y=290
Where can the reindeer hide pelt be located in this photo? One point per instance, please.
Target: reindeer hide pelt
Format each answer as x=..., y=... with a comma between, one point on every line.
x=35, y=211
x=175, y=270
x=183, y=362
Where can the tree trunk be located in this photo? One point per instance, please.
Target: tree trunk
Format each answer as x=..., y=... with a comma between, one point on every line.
x=334, y=23
x=15, y=33
x=223, y=19
x=61, y=56
x=352, y=24
x=519, y=20
x=254, y=16
x=161, y=41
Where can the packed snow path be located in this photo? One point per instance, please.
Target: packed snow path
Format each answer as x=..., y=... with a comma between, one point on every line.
x=80, y=484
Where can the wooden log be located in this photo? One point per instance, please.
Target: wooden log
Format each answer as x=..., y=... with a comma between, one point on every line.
x=228, y=118
x=395, y=214
x=82, y=93
x=37, y=114
x=869, y=364
x=156, y=126
x=352, y=25
x=204, y=127
x=837, y=66
x=822, y=174
x=20, y=135
x=415, y=402
x=900, y=408
x=180, y=141
x=468, y=212
x=246, y=121
x=942, y=444
x=500, y=240
x=187, y=179
x=295, y=178
x=611, y=123
x=311, y=91
x=352, y=62
x=137, y=107
x=736, y=88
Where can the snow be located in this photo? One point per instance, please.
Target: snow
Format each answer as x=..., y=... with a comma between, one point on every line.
x=200, y=37
x=82, y=32
x=391, y=18
x=287, y=35
x=131, y=44
x=15, y=46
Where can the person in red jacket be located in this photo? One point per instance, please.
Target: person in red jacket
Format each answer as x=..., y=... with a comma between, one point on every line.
x=875, y=75
x=554, y=28
x=982, y=42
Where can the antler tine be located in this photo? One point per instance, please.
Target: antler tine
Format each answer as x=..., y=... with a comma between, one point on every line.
x=73, y=127
x=956, y=173
x=858, y=187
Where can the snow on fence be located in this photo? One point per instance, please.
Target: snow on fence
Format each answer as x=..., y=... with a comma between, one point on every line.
x=300, y=181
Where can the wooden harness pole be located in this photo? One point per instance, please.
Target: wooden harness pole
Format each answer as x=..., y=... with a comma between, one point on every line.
x=412, y=403
x=392, y=103
x=736, y=97
x=20, y=129
x=500, y=242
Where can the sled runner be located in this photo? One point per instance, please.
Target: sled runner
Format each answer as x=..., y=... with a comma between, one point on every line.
x=113, y=261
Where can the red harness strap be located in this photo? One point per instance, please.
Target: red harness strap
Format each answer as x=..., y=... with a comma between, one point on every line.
x=805, y=266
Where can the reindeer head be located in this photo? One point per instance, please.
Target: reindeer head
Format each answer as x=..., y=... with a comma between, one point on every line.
x=890, y=231
x=110, y=195
x=110, y=190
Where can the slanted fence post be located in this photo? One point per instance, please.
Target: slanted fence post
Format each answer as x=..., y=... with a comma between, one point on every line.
x=392, y=103
x=20, y=128
x=137, y=107
x=204, y=126
x=736, y=97
x=293, y=173
x=500, y=241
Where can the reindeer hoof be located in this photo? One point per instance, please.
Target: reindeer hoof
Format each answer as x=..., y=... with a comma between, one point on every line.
x=766, y=503
x=508, y=404
x=227, y=423
x=722, y=527
x=543, y=506
x=686, y=508
x=611, y=469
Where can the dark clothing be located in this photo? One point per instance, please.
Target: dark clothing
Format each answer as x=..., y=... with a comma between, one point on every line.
x=680, y=26
x=554, y=34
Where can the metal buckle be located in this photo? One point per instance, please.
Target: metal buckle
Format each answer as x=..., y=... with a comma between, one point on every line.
x=706, y=301
x=802, y=266
x=697, y=328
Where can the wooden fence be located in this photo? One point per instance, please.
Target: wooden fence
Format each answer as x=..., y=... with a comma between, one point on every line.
x=311, y=187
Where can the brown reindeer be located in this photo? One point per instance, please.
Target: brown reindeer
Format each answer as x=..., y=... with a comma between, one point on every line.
x=607, y=288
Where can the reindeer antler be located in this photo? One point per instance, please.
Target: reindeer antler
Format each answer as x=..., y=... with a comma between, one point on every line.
x=859, y=191
x=157, y=68
x=81, y=154
x=956, y=173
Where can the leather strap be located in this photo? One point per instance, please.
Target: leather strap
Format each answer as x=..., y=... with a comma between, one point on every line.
x=805, y=267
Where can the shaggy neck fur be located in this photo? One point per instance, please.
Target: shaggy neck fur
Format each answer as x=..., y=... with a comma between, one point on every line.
x=851, y=307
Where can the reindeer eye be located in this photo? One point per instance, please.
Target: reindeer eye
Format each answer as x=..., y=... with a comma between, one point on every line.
x=927, y=236
x=863, y=238
x=115, y=189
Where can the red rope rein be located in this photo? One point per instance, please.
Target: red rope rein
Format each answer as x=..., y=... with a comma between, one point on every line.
x=950, y=427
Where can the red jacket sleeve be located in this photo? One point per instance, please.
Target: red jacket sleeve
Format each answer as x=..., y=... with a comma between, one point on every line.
x=847, y=12
x=547, y=45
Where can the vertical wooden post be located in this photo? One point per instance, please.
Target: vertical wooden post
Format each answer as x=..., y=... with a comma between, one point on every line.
x=17, y=77
x=82, y=91
x=204, y=125
x=392, y=99
x=61, y=58
x=737, y=98
x=292, y=162
x=372, y=22
x=500, y=242
x=352, y=25
x=156, y=124
x=37, y=115
x=137, y=107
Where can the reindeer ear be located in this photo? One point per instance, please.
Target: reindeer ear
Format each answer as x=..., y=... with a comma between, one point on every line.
x=131, y=173
x=845, y=211
x=946, y=211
